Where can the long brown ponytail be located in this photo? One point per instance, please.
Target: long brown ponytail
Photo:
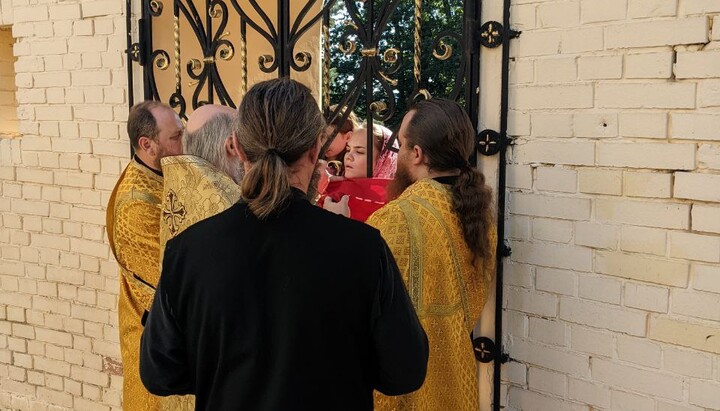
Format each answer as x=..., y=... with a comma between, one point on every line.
x=278, y=121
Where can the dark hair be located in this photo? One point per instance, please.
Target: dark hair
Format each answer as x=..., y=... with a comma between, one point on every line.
x=444, y=132
x=141, y=122
x=350, y=124
x=278, y=121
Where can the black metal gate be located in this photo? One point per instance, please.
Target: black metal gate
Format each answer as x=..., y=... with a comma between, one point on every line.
x=383, y=78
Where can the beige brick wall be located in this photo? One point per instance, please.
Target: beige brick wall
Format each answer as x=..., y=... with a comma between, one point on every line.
x=58, y=282
x=613, y=289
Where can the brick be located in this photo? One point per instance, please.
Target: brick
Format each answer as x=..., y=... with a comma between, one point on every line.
x=695, y=126
x=645, y=95
x=646, y=297
x=101, y=8
x=547, y=381
x=686, y=362
x=582, y=40
x=603, y=316
x=52, y=79
x=553, y=255
x=706, y=277
x=641, y=268
x=595, y=125
x=600, y=288
x=645, y=382
x=559, y=231
x=639, y=351
x=599, y=181
x=67, y=145
x=556, y=70
x=556, y=179
x=643, y=213
x=649, y=65
x=693, y=335
x=552, y=125
x=522, y=300
x=522, y=71
x=600, y=67
x=594, y=11
x=92, y=78
x=528, y=400
x=709, y=90
x=696, y=304
x=48, y=48
x=695, y=186
x=556, y=281
x=523, y=16
x=705, y=393
x=643, y=240
x=588, y=393
x=553, y=97
x=60, y=398
x=562, y=15
x=38, y=208
x=596, y=235
x=659, y=8
x=519, y=227
x=715, y=35
x=552, y=152
x=546, y=331
x=695, y=246
x=647, y=155
x=30, y=175
x=708, y=156
x=657, y=33
x=537, y=43
x=31, y=13
x=552, y=207
x=518, y=123
x=54, y=337
x=94, y=113
x=639, y=184
x=699, y=6
x=698, y=64
x=518, y=176
x=65, y=12
x=551, y=358
x=626, y=401
x=515, y=373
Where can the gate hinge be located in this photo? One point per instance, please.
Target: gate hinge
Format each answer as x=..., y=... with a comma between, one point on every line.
x=136, y=52
x=492, y=34
x=486, y=351
x=490, y=142
x=505, y=249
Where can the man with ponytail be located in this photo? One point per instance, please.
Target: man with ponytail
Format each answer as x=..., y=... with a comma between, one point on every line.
x=441, y=231
x=245, y=316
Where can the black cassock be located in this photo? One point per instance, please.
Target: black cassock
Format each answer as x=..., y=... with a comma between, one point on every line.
x=303, y=311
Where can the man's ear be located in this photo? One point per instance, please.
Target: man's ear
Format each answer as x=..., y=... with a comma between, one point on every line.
x=232, y=148
x=147, y=145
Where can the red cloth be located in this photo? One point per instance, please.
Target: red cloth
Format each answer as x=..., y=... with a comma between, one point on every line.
x=367, y=195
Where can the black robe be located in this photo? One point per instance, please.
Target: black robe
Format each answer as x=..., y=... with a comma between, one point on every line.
x=304, y=311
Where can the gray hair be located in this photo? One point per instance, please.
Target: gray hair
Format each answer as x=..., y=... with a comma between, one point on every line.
x=208, y=142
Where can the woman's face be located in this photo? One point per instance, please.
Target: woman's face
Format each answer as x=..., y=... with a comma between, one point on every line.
x=356, y=155
x=338, y=144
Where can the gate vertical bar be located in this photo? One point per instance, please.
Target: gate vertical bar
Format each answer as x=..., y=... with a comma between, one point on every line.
x=128, y=57
x=370, y=15
x=209, y=31
x=284, y=32
x=472, y=11
x=146, y=44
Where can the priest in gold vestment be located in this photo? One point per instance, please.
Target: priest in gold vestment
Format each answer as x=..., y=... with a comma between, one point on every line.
x=441, y=232
x=133, y=228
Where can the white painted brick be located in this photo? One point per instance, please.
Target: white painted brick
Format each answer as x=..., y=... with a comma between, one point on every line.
x=599, y=288
x=548, y=206
x=600, y=67
x=556, y=281
x=547, y=381
x=646, y=297
x=515, y=323
x=709, y=90
x=596, y=235
x=519, y=275
x=518, y=176
x=706, y=277
x=645, y=382
x=559, y=231
x=643, y=240
x=598, y=181
x=639, y=351
x=588, y=393
x=594, y=11
x=522, y=71
x=639, y=184
x=529, y=400
x=657, y=33
x=556, y=70
x=705, y=393
x=523, y=16
x=526, y=301
x=552, y=124
x=560, y=360
x=697, y=186
x=556, y=179
x=65, y=12
x=601, y=315
x=582, y=40
x=537, y=43
x=695, y=246
x=715, y=35
x=554, y=97
x=698, y=64
x=52, y=79
x=645, y=95
x=696, y=304
x=641, y=268
x=685, y=333
x=519, y=227
x=560, y=14
x=546, y=331
x=92, y=78
x=48, y=48
x=625, y=401
x=708, y=156
x=101, y=8
x=552, y=152
x=553, y=255
x=31, y=13
x=647, y=155
x=658, y=8
x=649, y=65
x=515, y=373
x=518, y=123
x=643, y=213
x=695, y=126
x=595, y=125
x=699, y=6
x=686, y=362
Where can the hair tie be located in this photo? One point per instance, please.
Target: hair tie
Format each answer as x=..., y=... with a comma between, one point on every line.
x=272, y=152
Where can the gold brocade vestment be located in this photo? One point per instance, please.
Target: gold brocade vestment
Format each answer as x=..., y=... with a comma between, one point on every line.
x=133, y=227
x=448, y=293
